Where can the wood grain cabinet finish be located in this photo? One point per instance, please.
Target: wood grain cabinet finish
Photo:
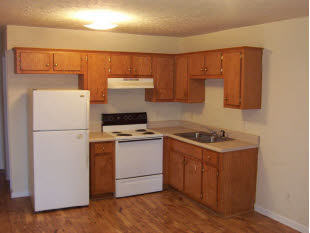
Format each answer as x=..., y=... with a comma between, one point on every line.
x=192, y=177
x=102, y=168
x=34, y=61
x=166, y=156
x=119, y=64
x=225, y=182
x=176, y=170
x=142, y=65
x=97, y=78
x=205, y=65
x=67, y=61
x=187, y=90
x=163, y=90
x=242, y=72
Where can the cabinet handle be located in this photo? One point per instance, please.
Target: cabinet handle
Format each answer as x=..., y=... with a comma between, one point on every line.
x=56, y=64
x=47, y=65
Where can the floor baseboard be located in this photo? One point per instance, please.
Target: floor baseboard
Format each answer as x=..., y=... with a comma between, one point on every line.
x=286, y=221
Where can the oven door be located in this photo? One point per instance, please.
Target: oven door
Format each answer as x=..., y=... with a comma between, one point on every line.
x=138, y=157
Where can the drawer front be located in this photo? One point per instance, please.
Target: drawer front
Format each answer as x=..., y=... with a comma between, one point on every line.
x=104, y=147
x=210, y=157
x=186, y=148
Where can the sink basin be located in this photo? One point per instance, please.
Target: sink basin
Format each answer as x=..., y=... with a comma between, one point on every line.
x=203, y=137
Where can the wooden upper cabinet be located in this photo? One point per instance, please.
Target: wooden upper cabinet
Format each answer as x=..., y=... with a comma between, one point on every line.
x=35, y=61
x=119, y=64
x=197, y=64
x=242, y=72
x=192, y=178
x=66, y=61
x=97, y=79
x=164, y=73
x=142, y=65
x=213, y=63
x=205, y=65
x=209, y=186
x=232, y=78
x=176, y=170
x=181, y=78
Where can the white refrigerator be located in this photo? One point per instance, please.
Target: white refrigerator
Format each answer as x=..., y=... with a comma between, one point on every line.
x=59, y=149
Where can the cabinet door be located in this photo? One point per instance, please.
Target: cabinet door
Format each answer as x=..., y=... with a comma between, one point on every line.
x=176, y=170
x=67, y=62
x=164, y=73
x=120, y=64
x=181, y=78
x=97, y=81
x=209, y=186
x=213, y=63
x=166, y=151
x=103, y=179
x=192, y=178
x=142, y=65
x=35, y=61
x=196, y=64
x=232, y=78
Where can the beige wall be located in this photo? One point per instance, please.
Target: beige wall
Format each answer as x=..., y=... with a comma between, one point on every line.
x=282, y=122
x=119, y=101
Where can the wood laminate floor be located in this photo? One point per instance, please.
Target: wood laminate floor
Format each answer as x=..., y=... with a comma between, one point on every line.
x=167, y=211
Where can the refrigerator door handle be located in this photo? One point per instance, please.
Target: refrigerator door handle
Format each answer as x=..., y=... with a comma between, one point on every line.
x=87, y=111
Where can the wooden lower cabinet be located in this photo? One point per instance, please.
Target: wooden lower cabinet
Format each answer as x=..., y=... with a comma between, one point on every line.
x=209, y=186
x=102, y=168
x=176, y=170
x=192, y=178
x=224, y=182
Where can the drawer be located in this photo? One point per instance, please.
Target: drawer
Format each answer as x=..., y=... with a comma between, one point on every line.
x=210, y=157
x=104, y=147
x=186, y=148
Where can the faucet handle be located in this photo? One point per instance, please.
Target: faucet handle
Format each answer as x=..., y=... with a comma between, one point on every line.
x=223, y=133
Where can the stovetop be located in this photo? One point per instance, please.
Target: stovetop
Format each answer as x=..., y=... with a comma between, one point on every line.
x=131, y=134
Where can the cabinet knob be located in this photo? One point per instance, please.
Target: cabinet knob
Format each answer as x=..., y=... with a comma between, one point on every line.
x=206, y=69
x=225, y=98
x=209, y=157
x=201, y=69
x=47, y=64
x=102, y=147
x=56, y=64
x=128, y=69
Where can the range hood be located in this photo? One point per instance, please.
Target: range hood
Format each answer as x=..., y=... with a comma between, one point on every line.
x=130, y=83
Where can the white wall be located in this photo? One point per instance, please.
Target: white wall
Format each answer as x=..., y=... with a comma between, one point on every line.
x=282, y=123
x=119, y=101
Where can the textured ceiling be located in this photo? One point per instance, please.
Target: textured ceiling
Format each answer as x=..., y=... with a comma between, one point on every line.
x=154, y=17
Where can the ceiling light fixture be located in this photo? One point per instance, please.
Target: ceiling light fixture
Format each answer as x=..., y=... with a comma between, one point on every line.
x=101, y=25
x=101, y=19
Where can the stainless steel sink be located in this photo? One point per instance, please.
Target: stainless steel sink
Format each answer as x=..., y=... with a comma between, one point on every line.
x=203, y=137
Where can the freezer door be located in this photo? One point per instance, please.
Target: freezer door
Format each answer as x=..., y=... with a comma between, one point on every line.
x=61, y=169
x=60, y=109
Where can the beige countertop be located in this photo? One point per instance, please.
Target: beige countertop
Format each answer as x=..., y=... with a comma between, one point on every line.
x=100, y=137
x=226, y=146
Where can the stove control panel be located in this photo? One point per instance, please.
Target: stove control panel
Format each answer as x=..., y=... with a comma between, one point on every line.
x=124, y=118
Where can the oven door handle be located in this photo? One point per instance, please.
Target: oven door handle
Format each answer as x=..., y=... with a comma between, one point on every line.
x=139, y=140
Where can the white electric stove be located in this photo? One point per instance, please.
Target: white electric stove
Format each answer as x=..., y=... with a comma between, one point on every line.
x=138, y=154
